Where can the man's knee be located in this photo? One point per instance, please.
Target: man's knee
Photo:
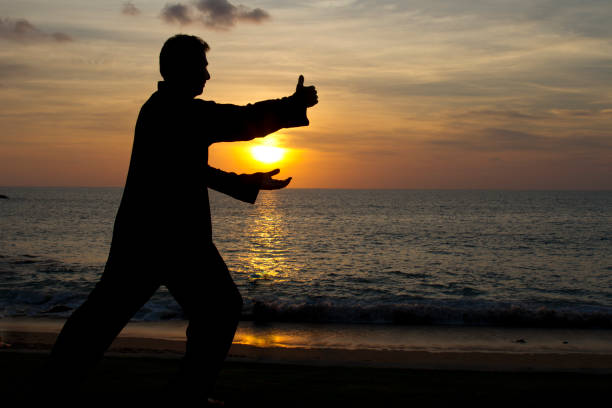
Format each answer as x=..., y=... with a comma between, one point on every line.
x=234, y=302
x=239, y=304
x=229, y=303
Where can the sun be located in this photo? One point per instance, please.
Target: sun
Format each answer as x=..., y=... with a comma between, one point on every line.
x=267, y=154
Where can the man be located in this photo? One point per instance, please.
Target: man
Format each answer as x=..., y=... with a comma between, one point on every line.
x=162, y=233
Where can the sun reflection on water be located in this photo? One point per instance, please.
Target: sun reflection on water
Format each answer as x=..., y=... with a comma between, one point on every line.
x=263, y=340
x=268, y=257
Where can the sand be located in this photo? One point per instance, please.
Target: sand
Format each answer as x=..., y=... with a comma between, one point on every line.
x=138, y=367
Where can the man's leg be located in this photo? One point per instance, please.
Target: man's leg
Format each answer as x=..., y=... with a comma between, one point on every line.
x=212, y=303
x=91, y=329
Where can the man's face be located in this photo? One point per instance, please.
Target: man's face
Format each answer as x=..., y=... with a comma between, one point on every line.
x=193, y=76
x=201, y=75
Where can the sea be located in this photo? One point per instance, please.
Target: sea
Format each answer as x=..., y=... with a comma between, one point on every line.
x=390, y=258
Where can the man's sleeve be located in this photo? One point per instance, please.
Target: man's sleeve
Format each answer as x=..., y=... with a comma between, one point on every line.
x=232, y=123
x=239, y=186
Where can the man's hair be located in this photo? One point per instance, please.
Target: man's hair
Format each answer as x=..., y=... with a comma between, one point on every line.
x=179, y=53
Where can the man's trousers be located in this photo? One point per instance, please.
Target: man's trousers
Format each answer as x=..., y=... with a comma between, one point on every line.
x=205, y=290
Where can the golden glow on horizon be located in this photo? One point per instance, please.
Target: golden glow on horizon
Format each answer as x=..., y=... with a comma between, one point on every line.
x=267, y=154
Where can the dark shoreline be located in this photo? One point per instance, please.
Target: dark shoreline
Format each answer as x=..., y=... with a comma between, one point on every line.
x=289, y=385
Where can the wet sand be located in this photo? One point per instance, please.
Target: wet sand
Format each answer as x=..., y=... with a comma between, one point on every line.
x=470, y=361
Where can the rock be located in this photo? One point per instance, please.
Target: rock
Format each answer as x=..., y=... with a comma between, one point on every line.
x=2, y=196
x=521, y=341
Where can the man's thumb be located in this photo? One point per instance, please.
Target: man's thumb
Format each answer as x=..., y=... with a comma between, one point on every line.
x=300, y=83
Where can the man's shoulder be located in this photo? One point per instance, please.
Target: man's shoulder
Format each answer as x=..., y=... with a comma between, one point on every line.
x=148, y=105
x=160, y=106
x=161, y=101
x=152, y=100
x=160, y=98
x=204, y=103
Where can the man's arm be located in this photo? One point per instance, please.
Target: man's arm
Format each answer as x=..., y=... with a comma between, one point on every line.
x=230, y=123
x=243, y=187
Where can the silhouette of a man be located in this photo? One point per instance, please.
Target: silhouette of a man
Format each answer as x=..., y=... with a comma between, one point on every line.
x=162, y=232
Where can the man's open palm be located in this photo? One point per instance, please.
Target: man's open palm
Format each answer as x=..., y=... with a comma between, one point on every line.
x=266, y=182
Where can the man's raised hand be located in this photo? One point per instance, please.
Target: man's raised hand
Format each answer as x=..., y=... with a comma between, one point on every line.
x=306, y=95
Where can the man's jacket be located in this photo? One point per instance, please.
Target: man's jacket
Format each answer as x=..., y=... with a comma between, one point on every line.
x=164, y=211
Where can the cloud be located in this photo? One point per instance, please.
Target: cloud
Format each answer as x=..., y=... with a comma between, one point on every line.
x=61, y=37
x=22, y=30
x=502, y=114
x=590, y=18
x=213, y=14
x=129, y=9
x=222, y=14
x=10, y=69
x=500, y=140
x=571, y=113
x=176, y=13
x=504, y=140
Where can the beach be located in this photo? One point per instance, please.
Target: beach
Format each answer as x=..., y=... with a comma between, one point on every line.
x=139, y=366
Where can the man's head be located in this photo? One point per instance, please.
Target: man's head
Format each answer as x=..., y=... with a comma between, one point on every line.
x=183, y=64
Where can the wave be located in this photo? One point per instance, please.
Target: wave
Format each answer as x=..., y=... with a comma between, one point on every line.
x=35, y=287
x=433, y=314
x=162, y=307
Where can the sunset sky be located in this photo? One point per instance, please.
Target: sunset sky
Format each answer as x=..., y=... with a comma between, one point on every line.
x=412, y=94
